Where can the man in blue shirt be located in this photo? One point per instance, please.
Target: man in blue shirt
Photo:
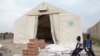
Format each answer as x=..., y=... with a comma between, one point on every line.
x=88, y=46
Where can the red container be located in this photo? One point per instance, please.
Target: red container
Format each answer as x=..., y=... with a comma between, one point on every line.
x=25, y=52
x=32, y=55
x=33, y=40
x=41, y=41
x=35, y=48
x=32, y=48
x=32, y=45
x=25, y=55
x=42, y=47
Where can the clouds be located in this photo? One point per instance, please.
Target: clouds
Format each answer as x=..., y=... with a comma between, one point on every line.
x=9, y=12
x=87, y=10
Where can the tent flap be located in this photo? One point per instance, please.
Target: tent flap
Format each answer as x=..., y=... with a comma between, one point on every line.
x=26, y=28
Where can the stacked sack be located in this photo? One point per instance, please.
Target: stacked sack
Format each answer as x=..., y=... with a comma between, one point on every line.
x=32, y=48
x=25, y=52
x=41, y=43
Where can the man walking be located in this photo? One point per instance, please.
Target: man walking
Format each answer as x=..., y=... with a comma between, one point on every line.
x=88, y=46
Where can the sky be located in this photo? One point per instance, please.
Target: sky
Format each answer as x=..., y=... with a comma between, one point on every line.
x=87, y=10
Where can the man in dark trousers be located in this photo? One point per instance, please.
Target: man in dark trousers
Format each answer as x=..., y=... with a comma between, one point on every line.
x=88, y=46
x=78, y=48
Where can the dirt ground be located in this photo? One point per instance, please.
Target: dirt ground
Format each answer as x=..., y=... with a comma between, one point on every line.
x=10, y=48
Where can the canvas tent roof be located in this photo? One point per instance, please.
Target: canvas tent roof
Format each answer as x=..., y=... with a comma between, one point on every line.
x=65, y=26
x=45, y=6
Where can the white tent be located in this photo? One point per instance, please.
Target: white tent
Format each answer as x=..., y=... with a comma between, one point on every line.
x=65, y=27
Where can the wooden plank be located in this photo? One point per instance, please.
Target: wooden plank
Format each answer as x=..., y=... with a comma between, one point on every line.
x=46, y=13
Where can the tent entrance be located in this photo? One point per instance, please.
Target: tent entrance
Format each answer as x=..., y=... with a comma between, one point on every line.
x=44, y=28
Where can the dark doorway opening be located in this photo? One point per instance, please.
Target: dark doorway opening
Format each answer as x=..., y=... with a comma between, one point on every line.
x=44, y=28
